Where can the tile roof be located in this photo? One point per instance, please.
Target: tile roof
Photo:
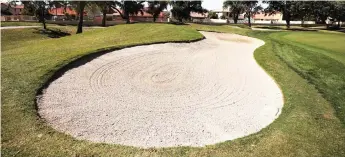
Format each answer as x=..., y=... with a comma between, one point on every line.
x=145, y=13
x=62, y=11
x=198, y=15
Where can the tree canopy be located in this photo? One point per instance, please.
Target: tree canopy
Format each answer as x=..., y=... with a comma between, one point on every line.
x=38, y=9
x=319, y=11
x=235, y=9
x=156, y=7
x=181, y=9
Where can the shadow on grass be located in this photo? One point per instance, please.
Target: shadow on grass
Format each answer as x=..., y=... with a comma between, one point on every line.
x=51, y=33
x=335, y=29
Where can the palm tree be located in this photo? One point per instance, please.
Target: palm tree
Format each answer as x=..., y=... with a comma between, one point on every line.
x=56, y=5
x=235, y=9
x=105, y=6
x=128, y=8
x=37, y=8
x=182, y=9
x=81, y=6
x=156, y=7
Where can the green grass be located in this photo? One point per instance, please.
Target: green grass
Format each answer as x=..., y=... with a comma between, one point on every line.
x=331, y=43
x=220, y=28
x=306, y=127
x=14, y=38
x=320, y=58
x=320, y=28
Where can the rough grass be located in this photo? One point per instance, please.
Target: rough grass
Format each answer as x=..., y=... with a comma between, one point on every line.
x=306, y=127
x=14, y=38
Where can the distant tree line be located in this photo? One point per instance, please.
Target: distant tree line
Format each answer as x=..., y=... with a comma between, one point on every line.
x=318, y=11
x=181, y=9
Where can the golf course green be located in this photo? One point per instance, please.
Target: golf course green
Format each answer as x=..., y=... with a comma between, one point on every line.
x=308, y=66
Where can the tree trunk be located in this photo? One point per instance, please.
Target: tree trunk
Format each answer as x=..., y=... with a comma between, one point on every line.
x=302, y=22
x=125, y=12
x=154, y=18
x=287, y=15
x=42, y=18
x=180, y=20
x=81, y=17
x=122, y=16
x=104, y=17
x=235, y=18
x=287, y=19
x=249, y=24
x=128, y=20
x=127, y=17
x=338, y=23
x=44, y=23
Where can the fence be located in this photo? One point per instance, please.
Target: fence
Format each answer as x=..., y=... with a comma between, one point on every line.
x=18, y=18
x=245, y=21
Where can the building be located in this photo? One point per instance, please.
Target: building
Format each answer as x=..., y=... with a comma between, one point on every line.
x=198, y=16
x=9, y=9
x=266, y=17
x=115, y=15
x=63, y=13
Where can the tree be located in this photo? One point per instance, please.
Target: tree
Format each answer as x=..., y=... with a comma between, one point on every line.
x=181, y=9
x=92, y=10
x=105, y=7
x=6, y=10
x=132, y=8
x=156, y=7
x=129, y=8
x=338, y=11
x=80, y=10
x=235, y=8
x=302, y=10
x=321, y=10
x=251, y=8
x=56, y=5
x=284, y=7
x=212, y=15
x=38, y=9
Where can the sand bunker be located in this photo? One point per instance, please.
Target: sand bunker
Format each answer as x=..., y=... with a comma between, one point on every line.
x=190, y=94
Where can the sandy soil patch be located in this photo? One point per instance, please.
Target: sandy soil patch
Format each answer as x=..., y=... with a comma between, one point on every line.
x=162, y=95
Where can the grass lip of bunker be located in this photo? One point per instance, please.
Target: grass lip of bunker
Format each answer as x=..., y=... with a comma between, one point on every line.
x=158, y=87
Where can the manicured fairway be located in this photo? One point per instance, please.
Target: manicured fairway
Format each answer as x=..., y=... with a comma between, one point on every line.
x=332, y=44
x=320, y=58
x=307, y=126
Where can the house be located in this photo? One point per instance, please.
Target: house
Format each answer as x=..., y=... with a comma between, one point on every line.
x=115, y=15
x=63, y=13
x=146, y=17
x=9, y=9
x=266, y=17
x=194, y=15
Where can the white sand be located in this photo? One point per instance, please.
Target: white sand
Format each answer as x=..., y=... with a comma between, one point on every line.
x=162, y=95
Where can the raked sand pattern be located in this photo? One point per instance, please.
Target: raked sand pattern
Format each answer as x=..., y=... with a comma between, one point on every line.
x=162, y=95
